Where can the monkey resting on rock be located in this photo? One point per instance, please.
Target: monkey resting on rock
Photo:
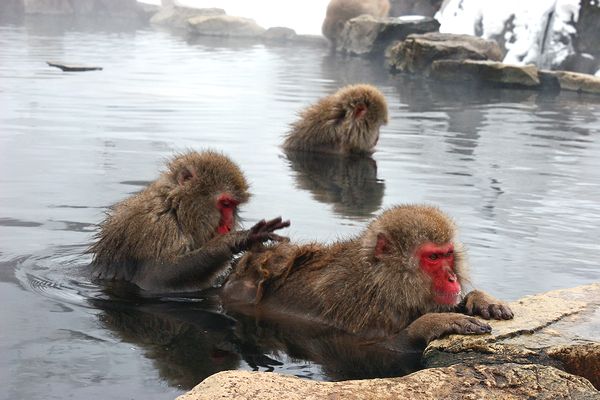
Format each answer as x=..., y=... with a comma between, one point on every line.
x=405, y=271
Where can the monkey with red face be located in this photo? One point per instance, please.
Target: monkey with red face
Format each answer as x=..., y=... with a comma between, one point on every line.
x=180, y=232
x=405, y=271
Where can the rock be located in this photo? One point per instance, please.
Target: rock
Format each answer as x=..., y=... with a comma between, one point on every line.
x=588, y=27
x=559, y=328
x=573, y=81
x=225, y=25
x=280, y=34
x=490, y=72
x=286, y=35
x=177, y=17
x=73, y=67
x=367, y=35
x=580, y=62
x=507, y=381
x=417, y=53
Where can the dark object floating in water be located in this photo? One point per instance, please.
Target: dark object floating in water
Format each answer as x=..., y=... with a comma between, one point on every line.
x=73, y=67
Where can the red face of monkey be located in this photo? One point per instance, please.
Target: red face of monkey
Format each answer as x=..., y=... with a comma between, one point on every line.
x=437, y=261
x=227, y=206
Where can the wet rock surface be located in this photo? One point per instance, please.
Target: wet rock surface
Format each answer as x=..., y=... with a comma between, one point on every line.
x=559, y=328
x=573, y=81
x=491, y=72
x=507, y=381
x=464, y=58
x=368, y=35
x=417, y=53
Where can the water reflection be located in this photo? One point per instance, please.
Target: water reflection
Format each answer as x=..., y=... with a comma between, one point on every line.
x=186, y=342
x=349, y=183
x=189, y=341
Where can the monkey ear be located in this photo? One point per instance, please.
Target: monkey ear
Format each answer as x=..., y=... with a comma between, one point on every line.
x=381, y=247
x=185, y=175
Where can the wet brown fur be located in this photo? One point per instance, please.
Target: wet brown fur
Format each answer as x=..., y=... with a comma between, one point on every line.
x=144, y=237
x=340, y=11
x=344, y=283
x=330, y=124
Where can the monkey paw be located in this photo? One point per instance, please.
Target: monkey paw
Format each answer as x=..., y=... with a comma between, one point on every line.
x=485, y=306
x=468, y=326
x=262, y=231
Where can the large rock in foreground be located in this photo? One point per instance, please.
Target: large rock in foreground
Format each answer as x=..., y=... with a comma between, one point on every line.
x=559, y=328
x=507, y=381
x=417, y=53
x=367, y=35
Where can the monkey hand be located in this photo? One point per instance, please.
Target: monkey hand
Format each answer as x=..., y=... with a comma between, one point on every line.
x=435, y=325
x=486, y=306
x=261, y=232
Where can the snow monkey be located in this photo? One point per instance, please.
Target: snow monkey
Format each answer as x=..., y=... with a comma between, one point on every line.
x=345, y=122
x=180, y=232
x=404, y=271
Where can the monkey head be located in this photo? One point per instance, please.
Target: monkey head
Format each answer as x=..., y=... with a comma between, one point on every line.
x=363, y=109
x=417, y=245
x=204, y=190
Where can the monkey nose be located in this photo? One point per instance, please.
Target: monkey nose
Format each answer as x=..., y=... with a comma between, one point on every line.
x=452, y=278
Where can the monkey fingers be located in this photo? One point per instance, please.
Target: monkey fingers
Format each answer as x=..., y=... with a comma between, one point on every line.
x=469, y=326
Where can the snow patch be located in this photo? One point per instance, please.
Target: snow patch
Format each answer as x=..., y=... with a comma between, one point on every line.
x=533, y=31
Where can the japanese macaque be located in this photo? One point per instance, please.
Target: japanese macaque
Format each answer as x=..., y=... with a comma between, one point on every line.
x=345, y=122
x=405, y=271
x=340, y=11
x=179, y=233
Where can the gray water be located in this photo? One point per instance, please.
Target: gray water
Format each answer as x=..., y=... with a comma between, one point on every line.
x=519, y=171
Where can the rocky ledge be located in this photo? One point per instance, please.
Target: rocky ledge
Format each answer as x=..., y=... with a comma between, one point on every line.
x=464, y=58
x=551, y=350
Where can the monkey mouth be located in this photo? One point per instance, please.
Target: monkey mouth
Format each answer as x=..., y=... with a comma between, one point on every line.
x=451, y=298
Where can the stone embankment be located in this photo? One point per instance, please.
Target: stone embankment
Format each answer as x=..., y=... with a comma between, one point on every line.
x=550, y=350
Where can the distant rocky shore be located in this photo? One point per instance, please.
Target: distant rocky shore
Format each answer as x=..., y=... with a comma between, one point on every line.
x=406, y=44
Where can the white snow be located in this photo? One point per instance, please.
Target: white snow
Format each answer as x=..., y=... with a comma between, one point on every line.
x=538, y=24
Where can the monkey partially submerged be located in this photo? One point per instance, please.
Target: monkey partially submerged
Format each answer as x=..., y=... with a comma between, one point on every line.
x=347, y=121
x=405, y=271
x=180, y=232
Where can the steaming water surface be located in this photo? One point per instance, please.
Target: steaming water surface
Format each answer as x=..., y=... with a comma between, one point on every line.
x=518, y=170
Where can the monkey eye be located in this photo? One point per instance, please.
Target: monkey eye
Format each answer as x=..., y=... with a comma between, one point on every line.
x=433, y=256
x=450, y=253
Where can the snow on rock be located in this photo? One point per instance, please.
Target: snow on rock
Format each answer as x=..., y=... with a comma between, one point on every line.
x=532, y=31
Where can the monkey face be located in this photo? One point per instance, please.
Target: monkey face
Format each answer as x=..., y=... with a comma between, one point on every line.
x=437, y=262
x=227, y=206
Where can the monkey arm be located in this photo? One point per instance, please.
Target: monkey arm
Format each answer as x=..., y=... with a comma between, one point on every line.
x=435, y=325
x=484, y=305
x=196, y=269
